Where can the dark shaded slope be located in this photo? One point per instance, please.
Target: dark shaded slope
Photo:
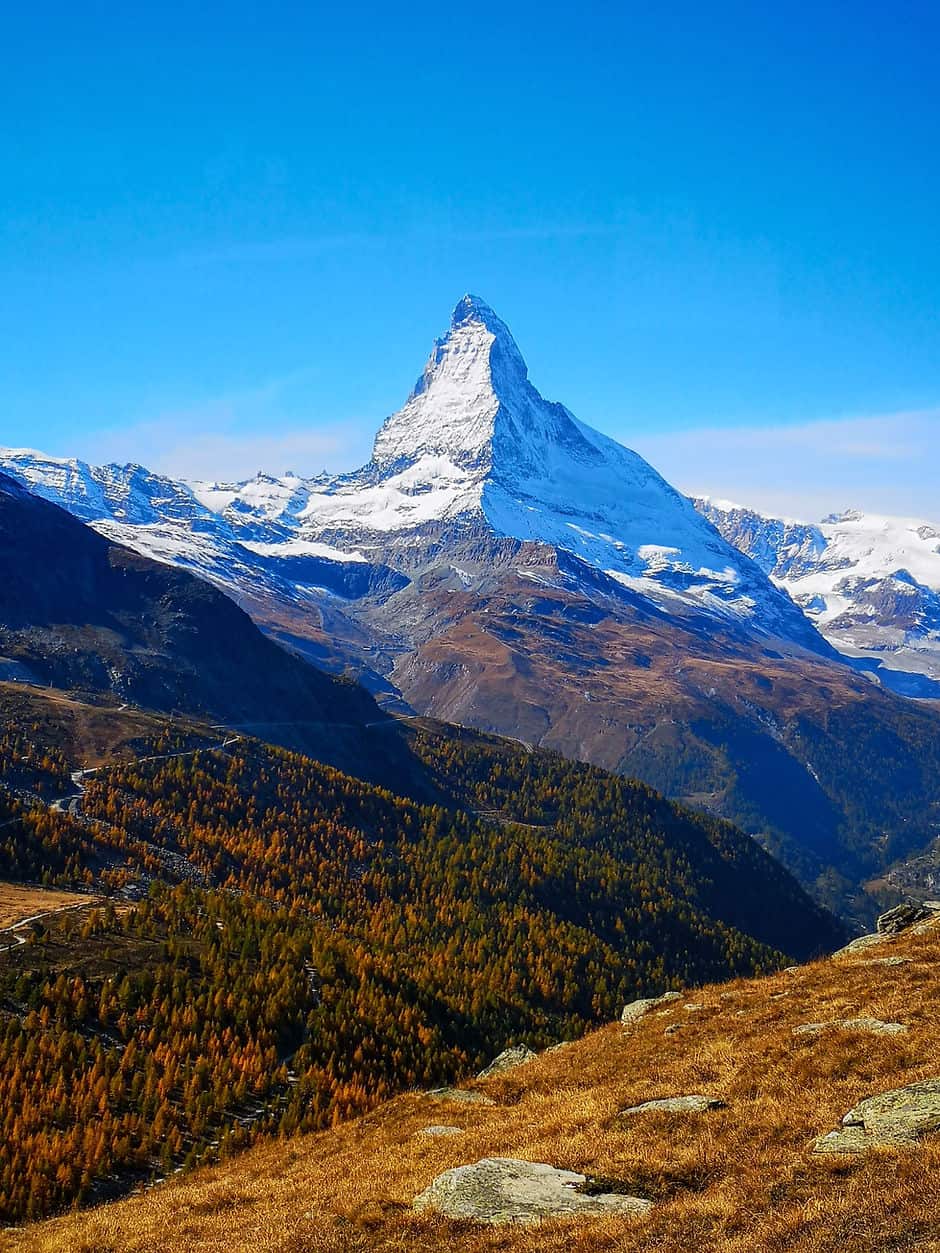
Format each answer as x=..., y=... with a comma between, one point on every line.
x=835, y=775
x=710, y=864
x=80, y=612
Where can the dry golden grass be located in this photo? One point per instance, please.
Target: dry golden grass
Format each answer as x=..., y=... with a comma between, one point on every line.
x=740, y=1179
x=91, y=733
x=18, y=902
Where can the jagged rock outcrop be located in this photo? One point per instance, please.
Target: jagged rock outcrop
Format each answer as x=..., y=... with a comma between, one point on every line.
x=910, y=914
x=505, y=1190
x=904, y=916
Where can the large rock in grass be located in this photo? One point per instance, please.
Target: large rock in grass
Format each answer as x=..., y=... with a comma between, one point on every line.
x=692, y=1104
x=505, y=1190
x=904, y=916
x=893, y=1119
x=637, y=1009
x=870, y=1026
x=462, y=1096
x=508, y=1059
x=862, y=942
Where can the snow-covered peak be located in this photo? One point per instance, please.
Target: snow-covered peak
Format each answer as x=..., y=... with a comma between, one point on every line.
x=474, y=409
x=476, y=443
x=452, y=410
x=475, y=449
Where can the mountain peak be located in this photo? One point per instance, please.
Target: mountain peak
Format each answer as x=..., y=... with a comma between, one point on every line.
x=470, y=311
x=470, y=308
x=475, y=446
x=471, y=371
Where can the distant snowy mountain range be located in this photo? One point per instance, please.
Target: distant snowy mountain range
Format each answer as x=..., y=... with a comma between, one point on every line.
x=500, y=565
x=870, y=583
x=477, y=450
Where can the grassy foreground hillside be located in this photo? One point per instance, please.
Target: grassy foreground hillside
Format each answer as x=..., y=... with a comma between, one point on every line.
x=272, y=946
x=737, y=1179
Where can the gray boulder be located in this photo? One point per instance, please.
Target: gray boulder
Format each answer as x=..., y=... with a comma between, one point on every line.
x=902, y=917
x=464, y=1096
x=850, y=1141
x=862, y=942
x=874, y=1026
x=693, y=1104
x=505, y=1190
x=893, y=1119
x=636, y=1009
x=509, y=1059
x=440, y=1130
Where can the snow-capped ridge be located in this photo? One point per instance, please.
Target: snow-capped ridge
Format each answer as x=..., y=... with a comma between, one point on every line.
x=475, y=447
x=870, y=582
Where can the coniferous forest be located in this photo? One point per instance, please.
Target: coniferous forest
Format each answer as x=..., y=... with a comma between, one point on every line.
x=276, y=945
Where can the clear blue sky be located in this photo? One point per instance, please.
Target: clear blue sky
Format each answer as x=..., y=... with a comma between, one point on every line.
x=229, y=233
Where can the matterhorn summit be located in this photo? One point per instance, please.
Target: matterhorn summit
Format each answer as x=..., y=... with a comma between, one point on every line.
x=476, y=446
x=474, y=405
x=476, y=451
x=473, y=371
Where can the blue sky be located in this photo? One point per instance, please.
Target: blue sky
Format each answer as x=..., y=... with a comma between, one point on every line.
x=229, y=233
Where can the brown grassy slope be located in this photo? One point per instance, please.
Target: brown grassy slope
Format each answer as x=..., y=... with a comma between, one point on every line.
x=18, y=901
x=90, y=733
x=740, y=1179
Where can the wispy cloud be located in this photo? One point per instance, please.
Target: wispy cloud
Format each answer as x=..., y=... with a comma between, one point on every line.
x=882, y=462
x=888, y=462
x=236, y=434
x=290, y=248
x=230, y=456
